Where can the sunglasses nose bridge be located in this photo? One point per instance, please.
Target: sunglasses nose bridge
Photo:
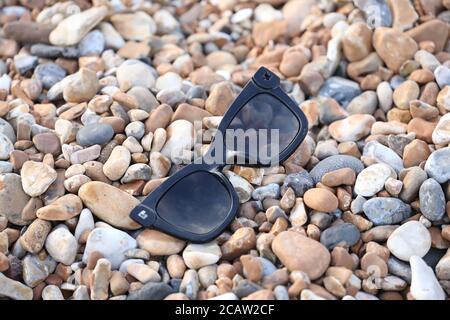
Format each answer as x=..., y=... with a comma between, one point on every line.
x=143, y=215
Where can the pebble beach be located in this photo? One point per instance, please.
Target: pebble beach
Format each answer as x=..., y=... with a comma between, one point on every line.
x=98, y=101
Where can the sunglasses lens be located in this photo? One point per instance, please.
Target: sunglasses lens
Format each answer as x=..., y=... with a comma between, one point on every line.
x=198, y=203
x=262, y=129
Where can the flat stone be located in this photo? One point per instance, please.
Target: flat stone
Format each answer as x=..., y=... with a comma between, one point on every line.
x=13, y=199
x=52, y=52
x=433, y=30
x=28, y=31
x=386, y=211
x=109, y=204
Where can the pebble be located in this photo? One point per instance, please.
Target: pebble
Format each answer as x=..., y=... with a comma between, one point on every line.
x=394, y=47
x=13, y=199
x=334, y=163
x=98, y=197
x=134, y=73
x=151, y=291
x=100, y=280
x=85, y=223
x=372, y=179
x=196, y=256
x=352, y=128
x=298, y=252
x=442, y=75
x=345, y=235
x=424, y=285
x=111, y=243
x=441, y=133
x=92, y=44
x=34, y=237
x=62, y=209
x=36, y=177
x=438, y=165
x=71, y=30
x=321, y=200
x=134, y=26
x=6, y=147
x=47, y=51
x=378, y=13
x=386, y=211
x=14, y=289
x=432, y=200
x=180, y=140
x=408, y=240
x=405, y=93
x=382, y=154
x=143, y=273
x=340, y=89
x=81, y=87
x=117, y=163
x=49, y=74
x=62, y=245
x=159, y=243
x=98, y=133
x=52, y=292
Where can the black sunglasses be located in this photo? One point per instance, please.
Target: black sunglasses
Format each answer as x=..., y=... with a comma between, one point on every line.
x=198, y=202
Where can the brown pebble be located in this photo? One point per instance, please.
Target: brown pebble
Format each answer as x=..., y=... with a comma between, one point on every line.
x=320, y=199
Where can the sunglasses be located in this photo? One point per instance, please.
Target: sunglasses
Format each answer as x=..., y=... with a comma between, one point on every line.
x=262, y=127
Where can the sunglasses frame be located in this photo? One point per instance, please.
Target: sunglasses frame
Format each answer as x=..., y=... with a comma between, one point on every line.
x=263, y=81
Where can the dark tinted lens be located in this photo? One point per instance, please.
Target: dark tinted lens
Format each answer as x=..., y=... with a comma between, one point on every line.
x=198, y=203
x=268, y=127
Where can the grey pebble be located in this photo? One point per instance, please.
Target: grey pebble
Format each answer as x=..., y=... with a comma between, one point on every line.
x=53, y=52
x=377, y=12
x=96, y=133
x=442, y=75
x=432, y=200
x=383, y=211
x=151, y=291
x=357, y=204
x=24, y=63
x=49, y=74
x=272, y=190
x=340, y=89
x=7, y=129
x=399, y=268
x=345, y=234
x=334, y=163
x=300, y=182
x=382, y=154
x=438, y=165
x=245, y=287
x=92, y=44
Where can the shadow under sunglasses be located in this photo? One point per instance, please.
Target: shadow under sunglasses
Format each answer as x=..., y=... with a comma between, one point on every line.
x=262, y=127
